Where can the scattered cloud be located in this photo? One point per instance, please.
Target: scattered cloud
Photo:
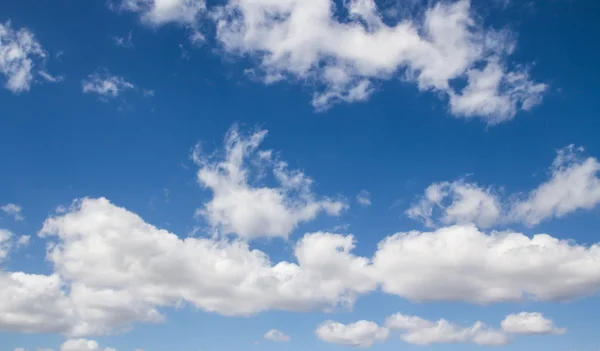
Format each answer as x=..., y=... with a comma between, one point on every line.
x=276, y=335
x=23, y=240
x=5, y=243
x=238, y=207
x=161, y=12
x=362, y=333
x=105, y=84
x=124, y=42
x=418, y=331
x=15, y=211
x=50, y=78
x=345, y=57
x=530, y=323
x=19, y=51
x=82, y=345
x=573, y=185
x=364, y=198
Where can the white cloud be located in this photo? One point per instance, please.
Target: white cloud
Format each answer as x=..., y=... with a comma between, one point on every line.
x=5, y=243
x=50, y=78
x=13, y=210
x=105, y=85
x=530, y=323
x=418, y=331
x=302, y=40
x=82, y=345
x=249, y=211
x=468, y=204
x=461, y=263
x=19, y=50
x=23, y=240
x=573, y=185
x=362, y=333
x=364, y=198
x=112, y=269
x=160, y=12
x=276, y=335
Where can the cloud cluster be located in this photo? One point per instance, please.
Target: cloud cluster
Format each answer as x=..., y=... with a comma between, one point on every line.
x=112, y=269
x=160, y=12
x=19, y=50
x=13, y=210
x=240, y=208
x=345, y=51
x=418, y=331
x=574, y=185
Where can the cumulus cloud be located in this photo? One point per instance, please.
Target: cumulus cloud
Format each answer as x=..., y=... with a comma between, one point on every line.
x=362, y=333
x=105, y=84
x=13, y=210
x=276, y=335
x=19, y=51
x=112, y=269
x=250, y=211
x=344, y=50
x=82, y=345
x=530, y=323
x=573, y=185
x=461, y=263
x=364, y=198
x=160, y=12
x=418, y=331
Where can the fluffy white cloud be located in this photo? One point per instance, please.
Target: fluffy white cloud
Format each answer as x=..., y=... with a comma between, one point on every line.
x=364, y=198
x=112, y=269
x=13, y=210
x=160, y=12
x=468, y=204
x=19, y=50
x=362, y=333
x=105, y=85
x=82, y=345
x=418, y=331
x=344, y=55
x=461, y=263
x=530, y=323
x=276, y=335
x=250, y=211
x=574, y=185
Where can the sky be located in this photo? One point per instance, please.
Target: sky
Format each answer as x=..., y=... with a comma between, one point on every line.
x=201, y=175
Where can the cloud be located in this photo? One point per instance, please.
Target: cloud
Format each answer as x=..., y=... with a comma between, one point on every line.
x=418, y=331
x=124, y=42
x=14, y=211
x=112, y=269
x=461, y=263
x=530, y=323
x=105, y=84
x=161, y=12
x=573, y=185
x=345, y=56
x=82, y=345
x=50, y=78
x=252, y=211
x=5, y=243
x=19, y=50
x=362, y=333
x=23, y=240
x=364, y=198
x=276, y=335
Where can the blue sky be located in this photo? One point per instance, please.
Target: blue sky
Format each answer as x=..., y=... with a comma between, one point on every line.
x=298, y=175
